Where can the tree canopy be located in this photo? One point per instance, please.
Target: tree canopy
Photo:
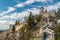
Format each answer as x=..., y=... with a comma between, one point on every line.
x=39, y=18
x=58, y=13
x=17, y=22
x=57, y=31
x=30, y=20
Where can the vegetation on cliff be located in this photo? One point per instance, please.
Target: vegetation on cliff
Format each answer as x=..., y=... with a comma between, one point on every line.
x=28, y=29
x=57, y=32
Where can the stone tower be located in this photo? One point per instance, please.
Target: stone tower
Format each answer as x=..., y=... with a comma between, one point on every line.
x=45, y=10
x=10, y=28
x=41, y=10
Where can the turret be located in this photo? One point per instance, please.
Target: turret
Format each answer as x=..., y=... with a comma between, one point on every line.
x=45, y=10
x=41, y=9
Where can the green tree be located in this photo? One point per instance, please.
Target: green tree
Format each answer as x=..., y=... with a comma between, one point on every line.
x=31, y=21
x=17, y=22
x=58, y=13
x=39, y=18
x=13, y=29
x=57, y=31
x=45, y=35
x=26, y=35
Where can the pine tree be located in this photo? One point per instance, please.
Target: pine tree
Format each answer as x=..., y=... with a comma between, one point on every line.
x=17, y=22
x=58, y=13
x=39, y=18
x=30, y=20
x=13, y=29
x=57, y=32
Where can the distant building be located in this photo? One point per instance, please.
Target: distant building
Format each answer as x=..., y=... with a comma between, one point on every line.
x=45, y=14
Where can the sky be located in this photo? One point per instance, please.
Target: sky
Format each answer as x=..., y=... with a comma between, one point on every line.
x=12, y=10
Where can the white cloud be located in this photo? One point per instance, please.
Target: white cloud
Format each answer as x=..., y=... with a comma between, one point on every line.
x=19, y=5
x=3, y=26
x=53, y=7
x=16, y=15
x=39, y=0
x=43, y=0
x=30, y=2
x=24, y=13
x=19, y=15
x=7, y=22
x=24, y=3
x=13, y=16
x=3, y=22
x=10, y=9
x=34, y=11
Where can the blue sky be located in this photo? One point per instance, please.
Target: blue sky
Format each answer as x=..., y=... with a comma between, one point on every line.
x=11, y=10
